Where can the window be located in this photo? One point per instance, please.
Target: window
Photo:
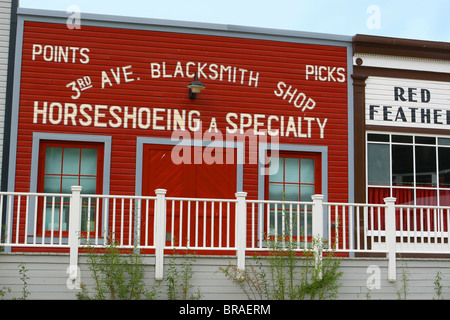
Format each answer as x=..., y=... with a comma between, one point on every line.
x=294, y=180
x=414, y=169
x=297, y=179
x=63, y=165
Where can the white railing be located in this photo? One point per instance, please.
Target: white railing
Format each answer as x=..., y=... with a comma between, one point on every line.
x=218, y=226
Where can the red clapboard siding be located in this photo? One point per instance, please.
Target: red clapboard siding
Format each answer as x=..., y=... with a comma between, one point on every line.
x=112, y=48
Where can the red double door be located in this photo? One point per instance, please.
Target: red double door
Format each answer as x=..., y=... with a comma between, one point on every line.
x=191, y=172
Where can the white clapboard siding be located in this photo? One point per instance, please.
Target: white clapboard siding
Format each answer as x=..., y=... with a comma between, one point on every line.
x=5, y=14
x=361, y=279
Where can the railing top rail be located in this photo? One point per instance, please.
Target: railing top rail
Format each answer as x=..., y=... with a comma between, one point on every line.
x=280, y=202
x=351, y=204
x=111, y=196
x=410, y=206
x=45, y=194
x=200, y=199
x=39, y=194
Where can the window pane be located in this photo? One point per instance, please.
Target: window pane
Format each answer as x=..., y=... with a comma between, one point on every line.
x=88, y=212
x=56, y=215
x=444, y=141
x=291, y=170
x=378, y=137
x=52, y=211
x=291, y=193
x=377, y=195
x=71, y=164
x=306, y=193
x=402, y=165
x=276, y=175
x=89, y=185
x=426, y=140
x=402, y=139
x=53, y=158
x=426, y=166
x=444, y=198
x=444, y=167
x=378, y=164
x=67, y=183
x=426, y=197
x=307, y=171
x=403, y=196
x=88, y=161
x=52, y=184
x=276, y=191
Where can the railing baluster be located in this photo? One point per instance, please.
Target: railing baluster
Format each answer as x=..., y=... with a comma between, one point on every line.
x=180, y=226
x=88, y=220
x=448, y=228
x=2, y=235
x=298, y=225
x=196, y=224
x=97, y=218
x=44, y=218
x=336, y=225
x=189, y=222
x=365, y=218
x=358, y=230
x=27, y=208
x=228, y=224
x=220, y=224
x=344, y=229
x=18, y=219
x=130, y=224
x=122, y=219
x=9, y=220
x=212, y=223
x=52, y=223
x=113, y=236
x=36, y=201
x=441, y=227
x=61, y=212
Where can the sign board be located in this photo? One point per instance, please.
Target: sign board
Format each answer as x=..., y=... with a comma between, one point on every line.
x=137, y=80
x=407, y=103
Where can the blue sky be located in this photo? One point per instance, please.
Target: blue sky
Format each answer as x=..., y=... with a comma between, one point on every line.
x=414, y=19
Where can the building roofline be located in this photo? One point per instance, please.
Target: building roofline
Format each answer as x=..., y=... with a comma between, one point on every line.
x=189, y=26
x=401, y=47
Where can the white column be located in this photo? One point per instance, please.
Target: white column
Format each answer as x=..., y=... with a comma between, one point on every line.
x=317, y=215
x=160, y=232
x=391, y=238
x=317, y=229
x=74, y=232
x=241, y=229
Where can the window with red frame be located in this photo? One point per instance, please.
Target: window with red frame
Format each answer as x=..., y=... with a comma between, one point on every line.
x=292, y=177
x=61, y=166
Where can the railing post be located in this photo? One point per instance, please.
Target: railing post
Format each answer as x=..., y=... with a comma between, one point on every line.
x=317, y=215
x=74, y=235
x=241, y=229
x=317, y=230
x=391, y=238
x=160, y=232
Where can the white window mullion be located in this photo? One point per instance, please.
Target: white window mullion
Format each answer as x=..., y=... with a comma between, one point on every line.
x=414, y=171
x=391, y=183
x=438, y=198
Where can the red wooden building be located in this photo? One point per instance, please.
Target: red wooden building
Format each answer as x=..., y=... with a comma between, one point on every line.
x=107, y=107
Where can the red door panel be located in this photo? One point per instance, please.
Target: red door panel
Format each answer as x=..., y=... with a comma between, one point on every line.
x=191, y=220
